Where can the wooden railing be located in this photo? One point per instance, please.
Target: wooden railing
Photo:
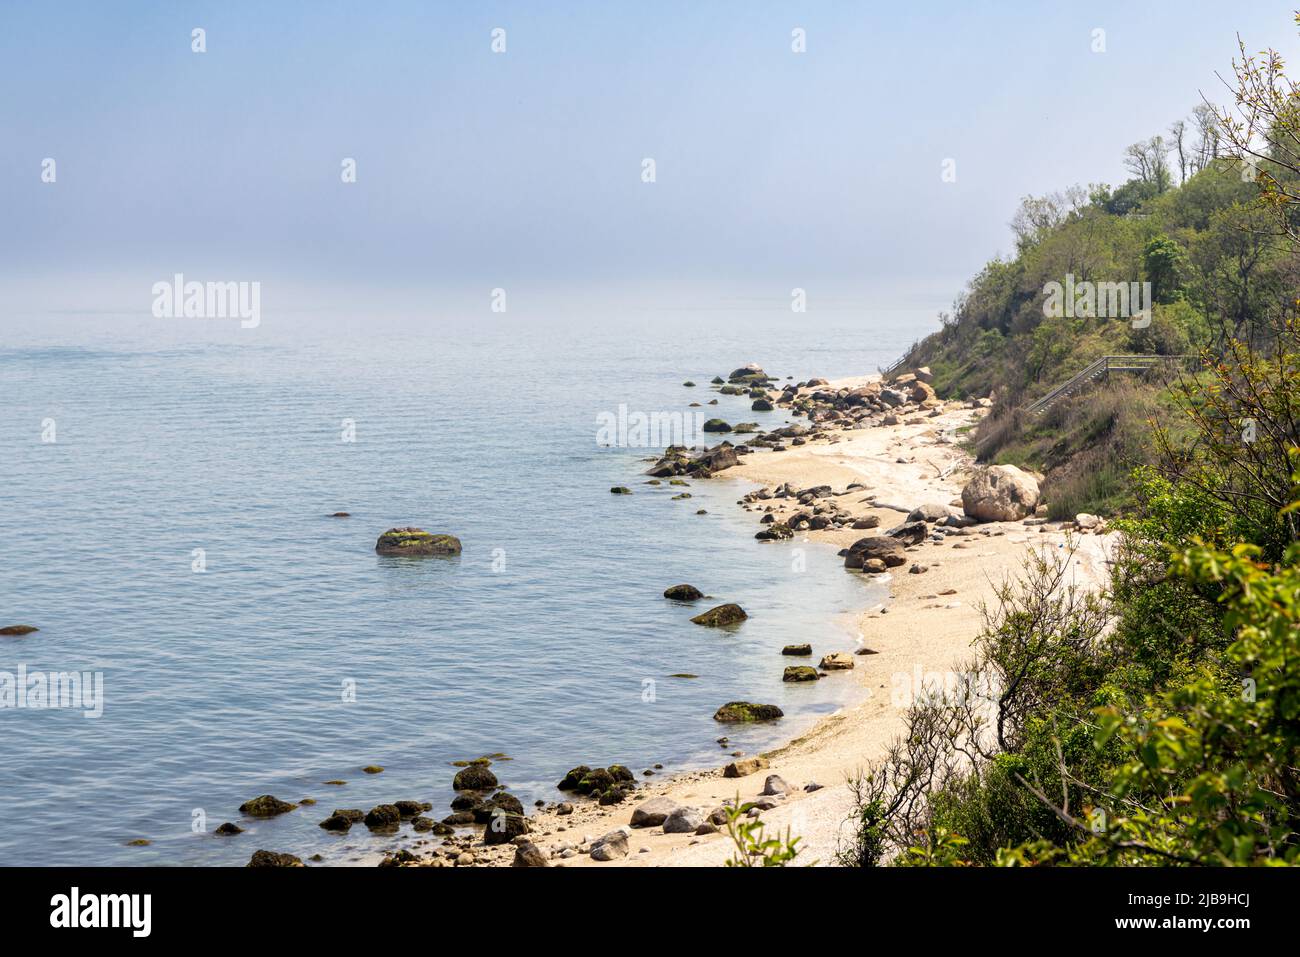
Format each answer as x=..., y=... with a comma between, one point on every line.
x=1098, y=370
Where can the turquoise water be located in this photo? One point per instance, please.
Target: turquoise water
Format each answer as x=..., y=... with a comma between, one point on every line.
x=537, y=642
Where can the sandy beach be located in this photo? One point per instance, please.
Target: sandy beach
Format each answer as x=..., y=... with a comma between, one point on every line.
x=927, y=625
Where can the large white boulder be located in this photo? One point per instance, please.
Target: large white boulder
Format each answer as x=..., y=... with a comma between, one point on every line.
x=1000, y=493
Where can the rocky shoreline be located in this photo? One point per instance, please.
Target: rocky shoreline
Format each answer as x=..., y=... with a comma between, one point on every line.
x=605, y=807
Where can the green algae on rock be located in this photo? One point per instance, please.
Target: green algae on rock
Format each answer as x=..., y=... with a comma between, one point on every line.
x=722, y=615
x=476, y=777
x=683, y=593
x=266, y=805
x=738, y=711
x=411, y=541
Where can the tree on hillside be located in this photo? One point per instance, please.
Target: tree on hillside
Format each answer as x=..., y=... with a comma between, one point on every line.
x=1261, y=132
x=1206, y=149
x=1178, y=130
x=1148, y=161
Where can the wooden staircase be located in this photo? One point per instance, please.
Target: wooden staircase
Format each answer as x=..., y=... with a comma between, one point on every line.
x=1099, y=371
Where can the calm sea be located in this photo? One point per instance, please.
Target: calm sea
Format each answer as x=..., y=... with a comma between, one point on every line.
x=298, y=656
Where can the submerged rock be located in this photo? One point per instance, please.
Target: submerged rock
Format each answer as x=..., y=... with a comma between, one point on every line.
x=620, y=490
x=411, y=808
x=737, y=711
x=416, y=542
x=274, y=859
x=228, y=829
x=476, y=777
x=722, y=615
x=383, y=816
x=265, y=806
x=18, y=629
x=683, y=593
x=800, y=673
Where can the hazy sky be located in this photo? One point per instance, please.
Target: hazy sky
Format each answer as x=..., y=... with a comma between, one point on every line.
x=475, y=167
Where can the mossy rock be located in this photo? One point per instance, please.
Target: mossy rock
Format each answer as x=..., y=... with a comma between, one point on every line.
x=504, y=828
x=411, y=542
x=383, y=816
x=681, y=496
x=722, y=615
x=355, y=815
x=612, y=796
x=745, y=428
x=508, y=802
x=484, y=761
x=731, y=390
x=373, y=769
x=139, y=842
x=621, y=773
x=620, y=490
x=761, y=405
x=799, y=673
x=716, y=425
x=476, y=777
x=502, y=802
x=18, y=629
x=734, y=712
x=596, y=781
x=274, y=859
x=777, y=531
x=683, y=674
x=337, y=784
x=679, y=482
x=683, y=593
x=336, y=822
x=412, y=808
x=718, y=380
x=228, y=829
x=803, y=650
x=574, y=778
x=265, y=806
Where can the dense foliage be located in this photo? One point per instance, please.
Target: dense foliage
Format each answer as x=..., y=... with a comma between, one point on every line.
x=1197, y=223
x=1158, y=722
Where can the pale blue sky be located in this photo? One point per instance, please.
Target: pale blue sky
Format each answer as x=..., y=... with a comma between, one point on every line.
x=479, y=168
